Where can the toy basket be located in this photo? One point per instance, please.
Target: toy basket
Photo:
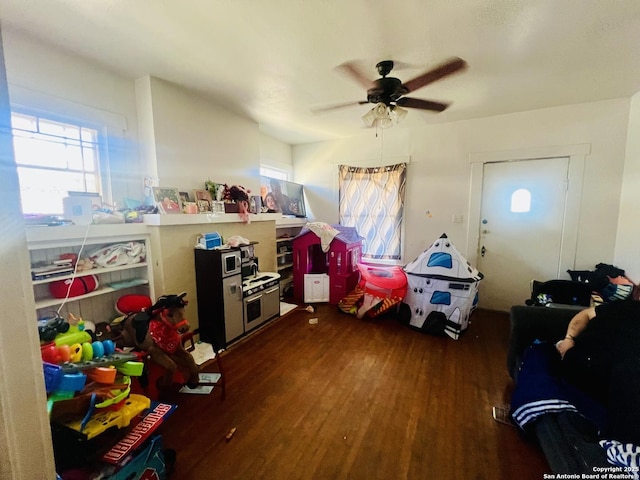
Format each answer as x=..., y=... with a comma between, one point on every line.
x=52, y=376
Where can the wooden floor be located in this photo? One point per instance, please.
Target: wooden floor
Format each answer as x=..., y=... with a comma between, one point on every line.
x=355, y=399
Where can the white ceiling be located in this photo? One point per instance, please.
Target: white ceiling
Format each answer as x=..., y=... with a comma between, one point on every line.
x=274, y=60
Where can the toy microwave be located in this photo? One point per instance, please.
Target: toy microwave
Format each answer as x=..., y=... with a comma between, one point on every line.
x=210, y=240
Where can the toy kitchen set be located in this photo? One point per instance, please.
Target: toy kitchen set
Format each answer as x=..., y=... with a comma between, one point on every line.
x=234, y=297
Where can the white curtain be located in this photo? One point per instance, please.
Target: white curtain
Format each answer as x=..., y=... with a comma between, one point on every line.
x=372, y=201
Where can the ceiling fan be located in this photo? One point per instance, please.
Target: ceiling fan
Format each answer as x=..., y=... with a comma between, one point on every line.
x=388, y=93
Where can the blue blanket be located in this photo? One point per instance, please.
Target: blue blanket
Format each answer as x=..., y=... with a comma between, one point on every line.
x=541, y=390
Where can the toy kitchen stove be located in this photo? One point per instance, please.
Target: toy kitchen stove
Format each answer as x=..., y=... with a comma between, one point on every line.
x=260, y=291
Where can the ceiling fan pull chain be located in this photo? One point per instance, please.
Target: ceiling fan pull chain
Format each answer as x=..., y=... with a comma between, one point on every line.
x=381, y=143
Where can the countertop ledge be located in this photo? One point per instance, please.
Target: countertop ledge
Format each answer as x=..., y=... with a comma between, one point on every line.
x=158, y=220
x=117, y=231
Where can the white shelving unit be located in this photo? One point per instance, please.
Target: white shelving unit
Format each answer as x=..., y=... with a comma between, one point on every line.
x=46, y=244
x=286, y=230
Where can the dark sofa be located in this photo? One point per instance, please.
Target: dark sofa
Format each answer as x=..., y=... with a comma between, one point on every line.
x=569, y=441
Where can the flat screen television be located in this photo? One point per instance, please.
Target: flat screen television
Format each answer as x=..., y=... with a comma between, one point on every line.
x=282, y=197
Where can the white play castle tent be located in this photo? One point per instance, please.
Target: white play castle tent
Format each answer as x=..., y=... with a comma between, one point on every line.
x=443, y=289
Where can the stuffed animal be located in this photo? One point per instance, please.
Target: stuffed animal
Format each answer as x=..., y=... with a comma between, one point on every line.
x=156, y=330
x=104, y=331
x=84, y=264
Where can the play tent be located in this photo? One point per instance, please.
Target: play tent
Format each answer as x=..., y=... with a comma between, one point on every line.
x=442, y=290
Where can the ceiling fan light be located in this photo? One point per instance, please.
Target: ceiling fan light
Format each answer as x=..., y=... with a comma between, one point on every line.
x=383, y=115
x=384, y=122
x=381, y=110
x=399, y=113
x=369, y=117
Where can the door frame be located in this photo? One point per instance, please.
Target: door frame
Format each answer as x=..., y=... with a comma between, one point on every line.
x=577, y=155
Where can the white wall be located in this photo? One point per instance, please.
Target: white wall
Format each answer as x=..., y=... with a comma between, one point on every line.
x=197, y=140
x=439, y=170
x=25, y=438
x=275, y=153
x=628, y=234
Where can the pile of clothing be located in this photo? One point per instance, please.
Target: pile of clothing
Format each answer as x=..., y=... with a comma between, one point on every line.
x=607, y=281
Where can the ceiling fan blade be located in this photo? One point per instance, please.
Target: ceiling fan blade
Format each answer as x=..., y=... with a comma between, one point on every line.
x=336, y=106
x=354, y=71
x=421, y=104
x=449, y=67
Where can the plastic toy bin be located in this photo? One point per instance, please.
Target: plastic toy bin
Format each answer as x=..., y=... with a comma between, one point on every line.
x=52, y=376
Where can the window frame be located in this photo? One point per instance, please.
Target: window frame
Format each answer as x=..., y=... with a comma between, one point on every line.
x=102, y=157
x=275, y=172
x=402, y=191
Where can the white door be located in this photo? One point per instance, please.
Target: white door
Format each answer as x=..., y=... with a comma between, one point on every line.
x=521, y=228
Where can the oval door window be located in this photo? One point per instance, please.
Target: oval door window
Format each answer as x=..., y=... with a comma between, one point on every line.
x=521, y=201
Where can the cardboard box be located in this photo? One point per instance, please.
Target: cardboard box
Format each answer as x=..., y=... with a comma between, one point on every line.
x=79, y=209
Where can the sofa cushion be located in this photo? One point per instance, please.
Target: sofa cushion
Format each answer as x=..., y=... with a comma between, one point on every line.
x=529, y=324
x=570, y=443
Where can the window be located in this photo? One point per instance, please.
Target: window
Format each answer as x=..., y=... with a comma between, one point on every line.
x=440, y=298
x=272, y=172
x=521, y=201
x=440, y=259
x=372, y=201
x=53, y=158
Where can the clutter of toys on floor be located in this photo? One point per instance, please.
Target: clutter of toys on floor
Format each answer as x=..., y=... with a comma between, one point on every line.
x=103, y=422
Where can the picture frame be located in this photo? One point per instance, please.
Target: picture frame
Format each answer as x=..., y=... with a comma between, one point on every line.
x=167, y=200
x=204, y=206
x=202, y=195
x=217, y=207
x=184, y=196
x=190, y=207
x=280, y=196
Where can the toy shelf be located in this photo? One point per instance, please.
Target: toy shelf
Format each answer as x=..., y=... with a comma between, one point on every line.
x=286, y=230
x=93, y=271
x=285, y=266
x=47, y=244
x=50, y=301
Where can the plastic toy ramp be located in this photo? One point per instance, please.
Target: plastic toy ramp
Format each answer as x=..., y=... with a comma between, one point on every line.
x=120, y=453
x=103, y=419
